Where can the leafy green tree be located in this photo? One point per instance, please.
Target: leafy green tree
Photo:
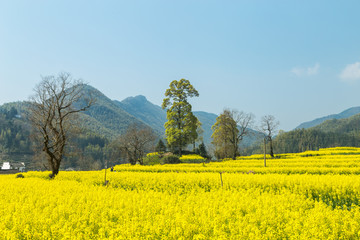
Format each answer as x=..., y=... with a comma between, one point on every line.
x=180, y=119
x=224, y=136
x=228, y=131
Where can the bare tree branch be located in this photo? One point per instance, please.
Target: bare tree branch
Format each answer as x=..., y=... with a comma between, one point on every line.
x=136, y=142
x=268, y=127
x=52, y=110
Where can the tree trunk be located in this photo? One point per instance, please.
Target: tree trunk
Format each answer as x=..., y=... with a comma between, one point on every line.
x=54, y=167
x=235, y=146
x=271, y=148
x=54, y=172
x=180, y=149
x=264, y=152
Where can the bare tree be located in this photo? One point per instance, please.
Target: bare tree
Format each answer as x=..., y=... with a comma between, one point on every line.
x=136, y=142
x=268, y=127
x=53, y=110
x=244, y=122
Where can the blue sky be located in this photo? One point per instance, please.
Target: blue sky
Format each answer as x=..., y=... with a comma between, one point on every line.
x=296, y=60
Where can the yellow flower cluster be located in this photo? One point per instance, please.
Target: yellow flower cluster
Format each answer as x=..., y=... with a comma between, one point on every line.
x=297, y=197
x=324, y=161
x=192, y=158
x=153, y=154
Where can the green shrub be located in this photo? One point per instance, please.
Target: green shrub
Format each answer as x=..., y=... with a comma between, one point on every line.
x=171, y=159
x=152, y=159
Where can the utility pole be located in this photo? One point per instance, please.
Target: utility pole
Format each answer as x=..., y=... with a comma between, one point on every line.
x=106, y=181
x=221, y=179
x=264, y=151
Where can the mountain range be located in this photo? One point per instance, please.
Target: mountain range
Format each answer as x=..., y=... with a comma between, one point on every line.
x=154, y=116
x=109, y=118
x=113, y=116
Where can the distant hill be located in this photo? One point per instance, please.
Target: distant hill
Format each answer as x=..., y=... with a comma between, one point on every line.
x=151, y=114
x=330, y=133
x=350, y=125
x=109, y=118
x=106, y=117
x=207, y=120
x=345, y=114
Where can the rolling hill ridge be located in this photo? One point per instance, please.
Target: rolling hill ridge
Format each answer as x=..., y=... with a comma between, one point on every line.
x=344, y=114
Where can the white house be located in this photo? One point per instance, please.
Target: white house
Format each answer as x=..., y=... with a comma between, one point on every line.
x=18, y=166
x=6, y=166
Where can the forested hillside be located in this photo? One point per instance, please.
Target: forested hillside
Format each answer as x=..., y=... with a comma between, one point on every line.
x=99, y=126
x=142, y=109
x=331, y=133
x=107, y=119
x=14, y=131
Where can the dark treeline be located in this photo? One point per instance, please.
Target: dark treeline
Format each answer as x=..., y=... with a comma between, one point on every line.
x=312, y=139
x=331, y=133
x=301, y=140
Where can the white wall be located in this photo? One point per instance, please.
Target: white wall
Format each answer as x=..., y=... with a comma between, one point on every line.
x=6, y=166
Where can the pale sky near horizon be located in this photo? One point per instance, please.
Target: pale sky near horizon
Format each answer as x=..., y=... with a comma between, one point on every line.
x=296, y=60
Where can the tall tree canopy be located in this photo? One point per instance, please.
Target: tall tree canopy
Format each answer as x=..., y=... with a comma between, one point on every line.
x=180, y=119
x=228, y=131
x=53, y=109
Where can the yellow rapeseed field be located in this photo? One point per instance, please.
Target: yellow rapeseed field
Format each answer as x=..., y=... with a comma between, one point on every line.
x=311, y=195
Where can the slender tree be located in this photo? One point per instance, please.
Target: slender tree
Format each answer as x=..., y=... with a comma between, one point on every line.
x=268, y=127
x=180, y=119
x=53, y=110
x=224, y=132
x=195, y=131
